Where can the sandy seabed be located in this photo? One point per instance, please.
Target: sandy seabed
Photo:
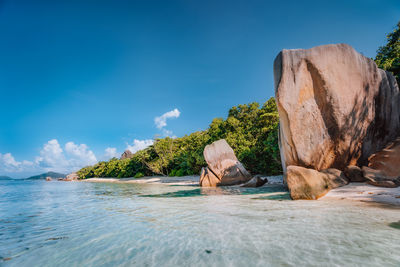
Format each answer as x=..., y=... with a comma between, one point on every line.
x=361, y=192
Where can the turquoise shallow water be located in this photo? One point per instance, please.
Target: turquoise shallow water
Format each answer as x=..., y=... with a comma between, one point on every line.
x=94, y=224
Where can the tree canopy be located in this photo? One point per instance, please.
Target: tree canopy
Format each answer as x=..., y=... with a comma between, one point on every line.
x=388, y=56
x=251, y=130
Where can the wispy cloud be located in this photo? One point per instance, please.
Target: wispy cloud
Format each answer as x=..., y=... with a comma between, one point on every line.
x=110, y=152
x=161, y=121
x=139, y=145
x=168, y=133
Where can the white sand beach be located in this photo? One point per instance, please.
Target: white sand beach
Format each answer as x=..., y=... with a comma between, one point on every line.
x=365, y=193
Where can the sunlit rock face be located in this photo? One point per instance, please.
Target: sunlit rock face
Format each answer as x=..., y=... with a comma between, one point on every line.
x=72, y=177
x=336, y=107
x=384, y=166
x=223, y=166
x=310, y=184
x=127, y=154
x=208, y=178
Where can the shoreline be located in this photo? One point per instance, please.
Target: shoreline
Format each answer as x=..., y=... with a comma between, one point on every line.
x=359, y=192
x=184, y=180
x=363, y=192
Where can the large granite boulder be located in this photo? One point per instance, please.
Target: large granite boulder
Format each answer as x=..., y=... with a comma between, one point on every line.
x=127, y=154
x=306, y=183
x=208, y=178
x=223, y=166
x=384, y=166
x=336, y=107
x=71, y=177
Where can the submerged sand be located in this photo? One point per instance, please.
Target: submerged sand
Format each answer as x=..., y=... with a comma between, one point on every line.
x=361, y=192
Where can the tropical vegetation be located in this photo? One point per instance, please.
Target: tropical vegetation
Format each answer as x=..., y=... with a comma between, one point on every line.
x=251, y=130
x=388, y=56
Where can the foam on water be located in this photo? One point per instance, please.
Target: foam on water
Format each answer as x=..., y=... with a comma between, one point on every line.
x=94, y=224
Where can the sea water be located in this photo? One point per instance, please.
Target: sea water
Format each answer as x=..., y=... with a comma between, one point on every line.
x=102, y=224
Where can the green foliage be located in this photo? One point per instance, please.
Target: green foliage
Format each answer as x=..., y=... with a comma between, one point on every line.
x=388, y=56
x=139, y=175
x=180, y=172
x=251, y=131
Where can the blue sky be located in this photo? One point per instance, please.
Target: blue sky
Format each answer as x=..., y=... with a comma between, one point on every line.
x=81, y=80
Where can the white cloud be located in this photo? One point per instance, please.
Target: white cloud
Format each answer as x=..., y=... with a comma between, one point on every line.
x=65, y=159
x=111, y=152
x=139, y=145
x=53, y=158
x=27, y=163
x=9, y=164
x=8, y=160
x=80, y=155
x=161, y=121
x=168, y=133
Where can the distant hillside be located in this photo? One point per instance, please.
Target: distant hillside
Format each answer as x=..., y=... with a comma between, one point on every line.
x=5, y=178
x=47, y=174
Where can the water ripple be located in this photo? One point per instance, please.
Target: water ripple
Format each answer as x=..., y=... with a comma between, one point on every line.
x=85, y=224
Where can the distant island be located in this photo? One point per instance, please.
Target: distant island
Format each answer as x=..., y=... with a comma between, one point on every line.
x=45, y=175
